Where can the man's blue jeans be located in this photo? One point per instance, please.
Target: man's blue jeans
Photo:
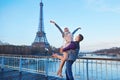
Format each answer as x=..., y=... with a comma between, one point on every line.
x=69, y=74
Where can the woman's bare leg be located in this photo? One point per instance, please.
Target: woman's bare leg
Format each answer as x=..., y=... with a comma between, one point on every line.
x=65, y=55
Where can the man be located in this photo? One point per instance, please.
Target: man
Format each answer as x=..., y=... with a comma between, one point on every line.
x=72, y=51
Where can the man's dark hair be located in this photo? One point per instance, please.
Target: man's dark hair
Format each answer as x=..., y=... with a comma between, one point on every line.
x=81, y=37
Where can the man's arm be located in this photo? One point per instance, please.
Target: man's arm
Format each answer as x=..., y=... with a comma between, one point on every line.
x=58, y=28
x=75, y=30
x=70, y=46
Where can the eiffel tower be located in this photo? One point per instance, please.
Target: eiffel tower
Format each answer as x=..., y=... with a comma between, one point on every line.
x=40, y=39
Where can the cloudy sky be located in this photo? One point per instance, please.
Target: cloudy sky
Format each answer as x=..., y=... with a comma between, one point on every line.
x=99, y=20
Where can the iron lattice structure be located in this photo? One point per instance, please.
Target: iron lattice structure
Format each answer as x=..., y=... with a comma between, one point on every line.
x=41, y=39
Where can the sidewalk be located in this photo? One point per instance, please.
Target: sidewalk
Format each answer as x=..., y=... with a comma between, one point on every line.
x=15, y=75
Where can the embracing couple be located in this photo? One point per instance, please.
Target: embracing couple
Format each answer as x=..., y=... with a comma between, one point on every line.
x=69, y=49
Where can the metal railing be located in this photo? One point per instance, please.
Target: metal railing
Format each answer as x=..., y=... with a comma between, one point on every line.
x=84, y=68
x=98, y=68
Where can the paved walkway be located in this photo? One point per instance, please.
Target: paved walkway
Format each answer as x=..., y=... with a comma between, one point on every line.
x=15, y=75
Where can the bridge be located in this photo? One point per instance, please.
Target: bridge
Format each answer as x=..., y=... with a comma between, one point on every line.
x=84, y=68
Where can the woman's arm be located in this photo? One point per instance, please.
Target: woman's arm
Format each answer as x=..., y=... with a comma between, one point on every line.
x=58, y=28
x=75, y=30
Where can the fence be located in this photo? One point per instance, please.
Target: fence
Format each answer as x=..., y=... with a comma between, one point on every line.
x=84, y=68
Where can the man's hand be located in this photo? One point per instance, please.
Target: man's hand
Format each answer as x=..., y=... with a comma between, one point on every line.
x=61, y=50
x=54, y=55
x=52, y=22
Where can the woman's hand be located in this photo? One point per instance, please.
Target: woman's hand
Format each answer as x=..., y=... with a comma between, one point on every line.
x=52, y=22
